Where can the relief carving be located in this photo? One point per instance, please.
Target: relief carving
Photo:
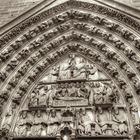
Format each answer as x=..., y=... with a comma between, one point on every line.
x=38, y=124
x=9, y=116
x=102, y=120
x=134, y=113
x=84, y=123
x=23, y=125
x=119, y=124
x=75, y=83
x=63, y=91
x=53, y=123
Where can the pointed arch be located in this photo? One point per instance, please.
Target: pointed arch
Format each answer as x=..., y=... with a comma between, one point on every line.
x=101, y=34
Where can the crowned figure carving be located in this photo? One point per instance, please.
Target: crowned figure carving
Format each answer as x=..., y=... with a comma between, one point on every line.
x=74, y=67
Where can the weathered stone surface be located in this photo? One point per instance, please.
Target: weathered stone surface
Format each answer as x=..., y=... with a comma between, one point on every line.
x=10, y=9
x=71, y=70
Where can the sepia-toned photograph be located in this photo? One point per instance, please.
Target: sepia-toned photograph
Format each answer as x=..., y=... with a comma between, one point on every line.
x=69, y=69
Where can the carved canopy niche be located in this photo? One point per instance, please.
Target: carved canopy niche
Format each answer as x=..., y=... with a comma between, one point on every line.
x=71, y=75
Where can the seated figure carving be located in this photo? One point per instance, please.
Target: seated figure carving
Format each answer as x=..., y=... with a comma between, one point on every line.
x=53, y=123
x=119, y=122
x=84, y=127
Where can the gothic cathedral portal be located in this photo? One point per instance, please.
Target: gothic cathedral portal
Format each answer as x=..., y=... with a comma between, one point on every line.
x=71, y=71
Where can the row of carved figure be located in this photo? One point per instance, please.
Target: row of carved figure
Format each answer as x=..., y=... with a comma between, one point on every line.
x=87, y=122
x=53, y=57
x=37, y=43
x=26, y=52
x=111, y=68
x=7, y=54
x=21, y=72
x=23, y=88
x=110, y=54
x=99, y=120
x=32, y=60
x=94, y=93
x=73, y=15
x=127, y=69
x=103, y=48
x=116, y=42
x=73, y=67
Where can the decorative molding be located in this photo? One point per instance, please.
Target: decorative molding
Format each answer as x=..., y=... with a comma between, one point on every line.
x=65, y=6
x=57, y=33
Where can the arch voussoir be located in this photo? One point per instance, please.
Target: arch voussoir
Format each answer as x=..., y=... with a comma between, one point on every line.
x=46, y=54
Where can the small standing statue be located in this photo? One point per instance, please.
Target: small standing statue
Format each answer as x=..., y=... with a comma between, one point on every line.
x=42, y=97
x=107, y=92
x=8, y=116
x=33, y=100
x=102, y=120
x=79, y=69
x=37, y=124
x=98, y=90
x=84, y=127
x=22, y=126
x=53, y=123
x=134, y=113
x=54, y=74
x=115, y=122
x=119, y=124
x=90, y=71
x=66, y=71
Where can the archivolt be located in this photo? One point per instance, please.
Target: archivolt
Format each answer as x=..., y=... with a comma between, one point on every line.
x=26, y=55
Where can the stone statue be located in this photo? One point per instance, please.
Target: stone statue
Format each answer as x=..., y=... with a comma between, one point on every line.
x=65, y=72
x=8, y=116
x=63, y=90
x=98, y=90
x=115, y=122
x=79, y=69
x=36, y=129
x=134, y=113
x=90, y=71
x=119, y=124
x=102, y=120
x=82, y=91
x=51, y=94
x=137, y=43
x=108, y=95
x=84, y=123
x=91, y=94
x=53, y=123
x=54, y=74
x=33, y=100
x=42, y=97
x=22, y=127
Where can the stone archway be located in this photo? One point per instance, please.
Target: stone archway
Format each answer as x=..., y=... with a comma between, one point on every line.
x=85, y=48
